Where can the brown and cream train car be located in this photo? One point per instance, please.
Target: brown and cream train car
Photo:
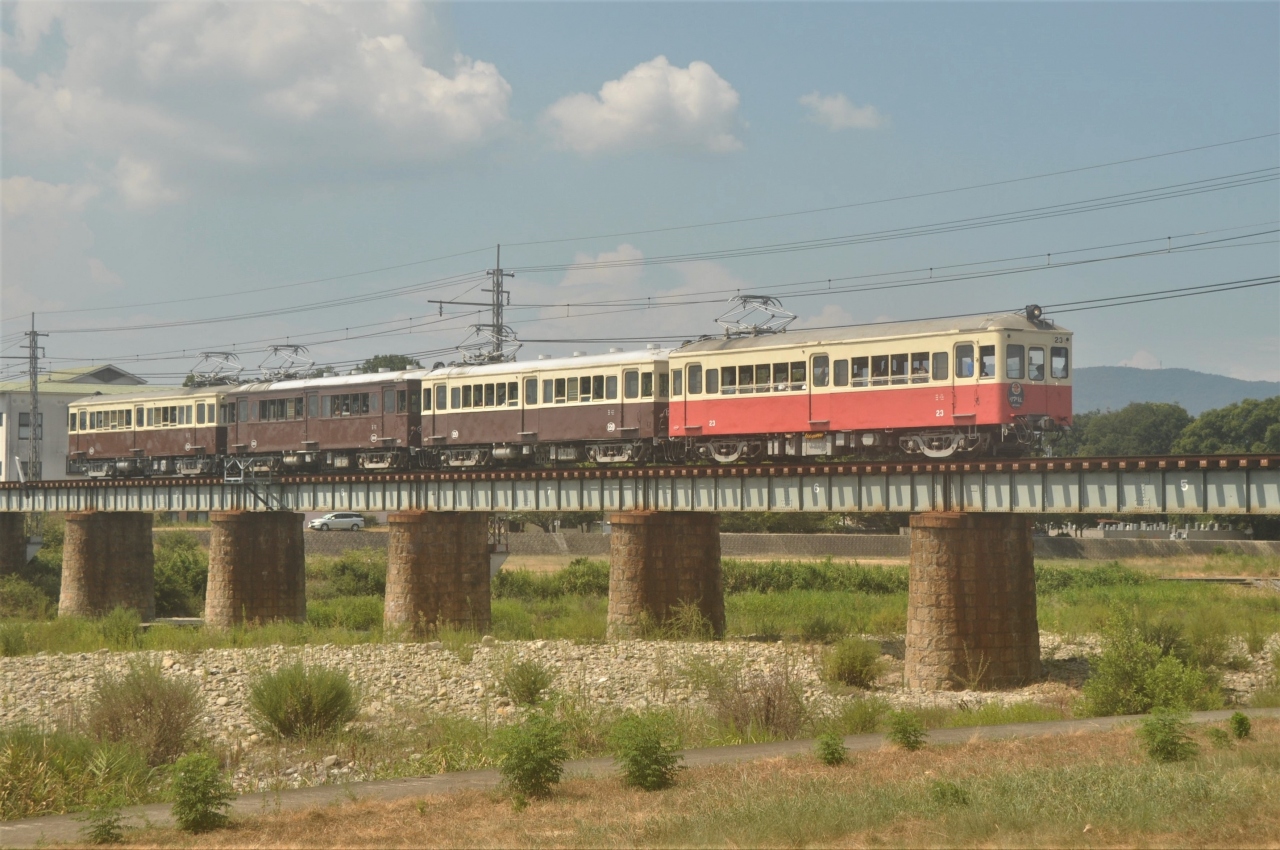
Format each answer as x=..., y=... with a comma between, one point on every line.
x=175, y=432
x=606, y=408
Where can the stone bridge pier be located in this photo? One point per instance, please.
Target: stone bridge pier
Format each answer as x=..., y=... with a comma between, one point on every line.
x=971, y=610
x=13, y=542
x=438, y=570
x=257, y=572
x=659, y=560
x=107, y=561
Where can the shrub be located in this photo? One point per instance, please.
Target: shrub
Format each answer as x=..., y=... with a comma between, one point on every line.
x=830, y=749
x=1132, y=677
x=299, y=701
x=21, y=598
x=13, y=638
x=359, y=572
x=524, y=682
x=948, y=794
x=906, y=730
x=357, y=613
x=121, y=629
x=1241, y=726
x=1166, y=737
x=584, y=577
x=182, y=572
x=201, y=794
x=531, y=755
x=104, y=819
x=820, y=629
x=646, y=750
x=853, y=661
x=143, y=708
x=1220, y=738
x=758, y=704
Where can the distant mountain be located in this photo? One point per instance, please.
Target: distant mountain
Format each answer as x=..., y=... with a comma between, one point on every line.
x=1113, y=387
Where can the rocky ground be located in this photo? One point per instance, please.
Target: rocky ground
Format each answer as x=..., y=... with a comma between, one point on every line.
x=400, y=680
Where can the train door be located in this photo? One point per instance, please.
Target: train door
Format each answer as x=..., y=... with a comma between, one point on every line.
x=629, y=406
x=311, y=425
x=242, y=421
x=528, y=408
x=964, y=385
x=385, y=423
x=439, y=412
x=819, y=391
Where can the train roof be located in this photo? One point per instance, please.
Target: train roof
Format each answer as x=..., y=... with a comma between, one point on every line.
x=879, y=330
x=548, y=364
x=148, y=394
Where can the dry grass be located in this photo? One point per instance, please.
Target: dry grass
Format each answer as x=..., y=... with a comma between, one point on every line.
x=1083, y=790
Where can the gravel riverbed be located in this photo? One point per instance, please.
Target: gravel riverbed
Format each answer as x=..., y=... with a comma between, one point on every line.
x=399, y=680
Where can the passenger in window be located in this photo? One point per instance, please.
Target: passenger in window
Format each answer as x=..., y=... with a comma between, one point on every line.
x=821, y=372
x=584, y=388
x=861, y=371
x=920, y=367
x=780, y=373
x=879, y=370
x=798, y=373
x=762, y=378
x=746, y=379
x=597, y=387
x=1014, y=360
x=1035, y=364
x=898, y=368
x=987, y=356
x=646, y=385
x=729, y=380
x=501, y=395
x=964, y=361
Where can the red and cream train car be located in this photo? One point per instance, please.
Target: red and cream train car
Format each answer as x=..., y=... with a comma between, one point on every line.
x=990, y=383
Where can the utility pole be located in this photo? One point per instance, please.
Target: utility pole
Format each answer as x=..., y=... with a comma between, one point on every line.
x=499, y=301
x=34, y=350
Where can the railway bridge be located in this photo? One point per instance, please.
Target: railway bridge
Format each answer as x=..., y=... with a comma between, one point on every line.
x=972, y=603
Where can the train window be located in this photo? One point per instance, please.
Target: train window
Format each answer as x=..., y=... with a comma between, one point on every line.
x=560, y=390
x=71, y=421
x=798, y=377
x=677, y=382
x=500, y=394
x=611, y=387
x=729, y=380
x=243, y=415
x=631, y=384
x=455, y=398
x=138, y=417
x=490, y=399
x=150, y=415
x=940, y=366
x=780, y=372
x=199, y=414
x=880, y=370
x=1058, y=362
x=546, y=391
x=713, y=381
x=898, y=368
x=389, y=401
x=664, y=381
x=530, y=390
x=1015, y=362
x=821, y=371
x=211, y=417
x=695, y=379
x=513, y=393
x=840, y=376
x=584, y=388
x=190, y=419
x=313, y=406
x=920, y=367
x=646, y=385
x=415, y=399
x=402, y=401
x=762, y=377
x=477, y=395
x=441, y=397
x=597, y=387
x=572, y=395
x=987, y=359
x=1035, y=364
x=964, y=361
x=466, y=396
x=83, y=416
x=373, y=402
x=861, y=371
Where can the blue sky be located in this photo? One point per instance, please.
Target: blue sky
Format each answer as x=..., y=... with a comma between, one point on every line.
x=188, y=150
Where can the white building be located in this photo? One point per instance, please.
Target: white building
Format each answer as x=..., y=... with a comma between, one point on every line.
x=57, y=391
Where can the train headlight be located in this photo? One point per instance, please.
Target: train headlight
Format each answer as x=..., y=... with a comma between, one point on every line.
x=1034, y=312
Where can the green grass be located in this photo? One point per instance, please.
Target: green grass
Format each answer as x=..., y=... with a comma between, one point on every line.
x=1083, y=610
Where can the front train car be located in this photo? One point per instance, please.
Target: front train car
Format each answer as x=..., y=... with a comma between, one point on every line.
x=987, y=384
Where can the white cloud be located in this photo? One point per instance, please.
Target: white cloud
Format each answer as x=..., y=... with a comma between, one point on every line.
x=1142, y=359
x=26, y=198
x=655, y=104
x=581, y=272
x=141, y=186
x=832, y=315
x=101, y=276
x=837, y=112
x=199, y=91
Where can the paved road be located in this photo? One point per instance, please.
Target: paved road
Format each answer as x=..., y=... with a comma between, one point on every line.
x=34, y=832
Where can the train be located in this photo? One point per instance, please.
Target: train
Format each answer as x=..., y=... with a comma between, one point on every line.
x=981, y=385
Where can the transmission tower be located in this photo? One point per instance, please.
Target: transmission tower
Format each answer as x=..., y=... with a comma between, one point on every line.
x=34, y=352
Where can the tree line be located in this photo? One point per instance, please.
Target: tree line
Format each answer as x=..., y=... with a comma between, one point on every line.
x=1251, y=426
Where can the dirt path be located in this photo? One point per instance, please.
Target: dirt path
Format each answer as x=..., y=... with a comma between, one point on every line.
x=37, y=832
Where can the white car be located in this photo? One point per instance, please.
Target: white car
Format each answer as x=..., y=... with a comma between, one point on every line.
x=338, y=522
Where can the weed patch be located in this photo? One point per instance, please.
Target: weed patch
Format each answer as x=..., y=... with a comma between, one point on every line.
x=299, y=701
x=531, y=755
x=853, y=661
x=646, y=750
x=1167, y=737
x=157, y=715
x=201, y=794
